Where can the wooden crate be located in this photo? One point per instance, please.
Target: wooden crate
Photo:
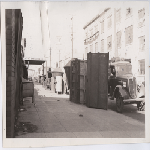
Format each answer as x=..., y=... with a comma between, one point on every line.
x=78, y=71
x=97, y=80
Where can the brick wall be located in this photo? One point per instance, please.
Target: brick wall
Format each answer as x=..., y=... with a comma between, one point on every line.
x=13, y=67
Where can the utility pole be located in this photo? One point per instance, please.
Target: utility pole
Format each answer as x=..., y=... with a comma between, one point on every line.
x=50, y=57
x=59, y=43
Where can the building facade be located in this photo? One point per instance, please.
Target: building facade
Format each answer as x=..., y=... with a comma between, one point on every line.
x=122, y=32
x=14, y=66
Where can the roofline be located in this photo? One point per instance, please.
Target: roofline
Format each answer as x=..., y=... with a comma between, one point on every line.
x=95, y=18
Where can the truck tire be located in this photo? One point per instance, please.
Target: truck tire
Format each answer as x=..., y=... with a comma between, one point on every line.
x=119, y=103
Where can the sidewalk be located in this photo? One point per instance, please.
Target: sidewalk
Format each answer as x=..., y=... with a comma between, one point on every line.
x=54, y=116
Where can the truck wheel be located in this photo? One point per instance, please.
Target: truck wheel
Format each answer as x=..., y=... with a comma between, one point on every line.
x=119, y=103
x=141, y=106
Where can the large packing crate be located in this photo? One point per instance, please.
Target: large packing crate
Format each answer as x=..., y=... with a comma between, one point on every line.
x=97, y=80
x=78, y=72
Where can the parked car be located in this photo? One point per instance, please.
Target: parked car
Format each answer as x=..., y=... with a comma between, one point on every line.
x=126, y=88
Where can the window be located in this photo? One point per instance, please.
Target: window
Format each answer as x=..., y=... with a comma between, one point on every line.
x=91, y=48
x=96, y=28
x=109, y=43
x=128, y=12
x=142, y=67
x=96, y=47
x=119, y=39
x=142, y=43
x=141, y=14
x=102, y=26
x=109, y=22
x=86, y=35
x=102, y=46
x=129, y=35
x=118, y=15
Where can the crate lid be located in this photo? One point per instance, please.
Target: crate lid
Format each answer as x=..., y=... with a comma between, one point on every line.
x=69, y=63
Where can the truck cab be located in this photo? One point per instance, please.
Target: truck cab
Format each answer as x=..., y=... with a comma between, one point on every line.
x=124, y=87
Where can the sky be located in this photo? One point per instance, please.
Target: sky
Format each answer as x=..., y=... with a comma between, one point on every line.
x=60, y=24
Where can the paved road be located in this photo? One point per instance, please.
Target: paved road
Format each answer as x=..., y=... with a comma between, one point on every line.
x=54, y=116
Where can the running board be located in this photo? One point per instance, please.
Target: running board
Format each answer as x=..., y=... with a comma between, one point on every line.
x=134, y=100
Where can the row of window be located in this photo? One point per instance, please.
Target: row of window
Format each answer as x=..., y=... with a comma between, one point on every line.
x=91, y=32
x=129, y=39
x=141, y=14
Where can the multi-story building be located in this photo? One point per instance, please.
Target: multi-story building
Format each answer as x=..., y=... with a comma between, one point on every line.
x=122, y=32
x=12, y=59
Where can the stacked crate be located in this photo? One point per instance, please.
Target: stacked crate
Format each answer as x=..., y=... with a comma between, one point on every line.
x=78, y=71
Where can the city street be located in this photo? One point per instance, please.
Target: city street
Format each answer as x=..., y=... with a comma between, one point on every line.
x=54, y=116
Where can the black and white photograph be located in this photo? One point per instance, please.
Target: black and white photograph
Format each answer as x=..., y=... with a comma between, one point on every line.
x=75, y=72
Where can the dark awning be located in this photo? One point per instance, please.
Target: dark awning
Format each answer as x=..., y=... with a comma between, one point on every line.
x=35, y=62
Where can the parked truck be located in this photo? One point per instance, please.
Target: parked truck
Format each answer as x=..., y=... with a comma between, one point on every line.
x=124, y=87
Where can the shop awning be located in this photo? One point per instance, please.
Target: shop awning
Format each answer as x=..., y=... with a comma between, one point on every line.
x=34, y=62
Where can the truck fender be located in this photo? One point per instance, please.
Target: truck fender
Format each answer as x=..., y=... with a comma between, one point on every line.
x=120, y=89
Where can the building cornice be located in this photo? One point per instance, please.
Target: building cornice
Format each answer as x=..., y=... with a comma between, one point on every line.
x=95, y=18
